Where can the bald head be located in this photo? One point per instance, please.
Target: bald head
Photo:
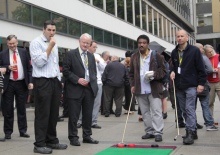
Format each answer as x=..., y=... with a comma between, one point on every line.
x=182, y=38
x=115, y=58
x=200, y=46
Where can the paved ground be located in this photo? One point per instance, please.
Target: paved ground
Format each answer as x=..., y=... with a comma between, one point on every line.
x=111, y=133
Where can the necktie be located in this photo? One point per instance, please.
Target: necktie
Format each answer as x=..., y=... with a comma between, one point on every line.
x=85, y=60
x=15, y=73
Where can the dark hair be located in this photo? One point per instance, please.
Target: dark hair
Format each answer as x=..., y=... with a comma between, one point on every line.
x=11, y=36
x=93, y=41
x=143, y=36
x=49, y=22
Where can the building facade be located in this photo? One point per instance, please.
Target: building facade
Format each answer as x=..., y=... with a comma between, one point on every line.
x=114, y=24
x=208, y=22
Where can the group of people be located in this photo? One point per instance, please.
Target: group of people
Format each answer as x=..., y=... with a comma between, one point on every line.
x=88, y=78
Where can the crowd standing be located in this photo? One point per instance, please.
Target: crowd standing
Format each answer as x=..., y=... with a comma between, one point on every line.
x=90, y=83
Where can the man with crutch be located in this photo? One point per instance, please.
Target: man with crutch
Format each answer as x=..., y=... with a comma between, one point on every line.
x=189, y=75
x=146, y=73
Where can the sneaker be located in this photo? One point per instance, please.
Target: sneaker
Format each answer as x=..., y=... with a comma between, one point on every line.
x=212, y=128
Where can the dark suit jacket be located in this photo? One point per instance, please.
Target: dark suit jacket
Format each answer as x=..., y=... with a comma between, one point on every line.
x=73, y=69
x=5, y=62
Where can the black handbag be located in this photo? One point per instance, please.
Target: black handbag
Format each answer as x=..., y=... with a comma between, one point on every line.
x=206, y=90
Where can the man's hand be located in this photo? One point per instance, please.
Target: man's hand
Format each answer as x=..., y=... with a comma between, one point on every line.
x=30, y=86
x=83, y=82
x=3, y=70
x=132, y=89
x=52, y=41
x=200, y=88
x=172, y=76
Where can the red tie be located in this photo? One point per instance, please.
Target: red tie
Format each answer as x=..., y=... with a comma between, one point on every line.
x=15, y=73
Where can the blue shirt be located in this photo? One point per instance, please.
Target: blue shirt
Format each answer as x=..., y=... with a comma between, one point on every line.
x=44, y=66
x=144, y=67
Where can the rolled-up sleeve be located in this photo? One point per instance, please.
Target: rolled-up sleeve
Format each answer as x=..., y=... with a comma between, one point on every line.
x=38, y=54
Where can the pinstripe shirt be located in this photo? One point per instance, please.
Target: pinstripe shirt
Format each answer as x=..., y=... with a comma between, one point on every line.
x=44, y=66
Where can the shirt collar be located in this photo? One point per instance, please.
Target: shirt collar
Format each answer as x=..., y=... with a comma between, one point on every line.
x=81, y=51
x=12, y=52
x=44, y=38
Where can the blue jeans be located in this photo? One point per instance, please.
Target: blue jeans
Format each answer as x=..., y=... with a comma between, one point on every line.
x=204, y=100
x=187, y=100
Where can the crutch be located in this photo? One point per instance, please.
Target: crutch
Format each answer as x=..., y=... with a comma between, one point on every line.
x=177, y=123
x=122, y=140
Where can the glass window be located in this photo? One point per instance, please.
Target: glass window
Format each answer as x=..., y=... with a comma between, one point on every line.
x=61, y=23
x=135, y=45
x=150, y=19
x=87, y=1
x=98, y=35
x=130, y=44
x=87, y=29
x=124, y=42
x=120, y=9
x=110, y=6
x=98, y=3
x=129, y=11
x=137, y=13
x=3, y=9
x=40, y=16
x=74, y=28
x=160, y=25
x=165, y=28
x=155, y=22
x=19, y=12
x=116, y=40
x=144, y=22
x=107, y=37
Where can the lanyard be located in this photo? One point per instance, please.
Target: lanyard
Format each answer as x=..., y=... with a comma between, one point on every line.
x=143, y=58
x=180, y=57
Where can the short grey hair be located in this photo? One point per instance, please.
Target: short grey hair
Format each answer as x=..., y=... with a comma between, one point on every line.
x=208, y=46
x=86, y=35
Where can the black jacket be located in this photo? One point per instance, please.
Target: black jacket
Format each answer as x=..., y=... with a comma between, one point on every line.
x=192, y=68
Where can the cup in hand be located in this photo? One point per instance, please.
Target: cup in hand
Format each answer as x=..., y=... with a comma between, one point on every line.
x=15, y=67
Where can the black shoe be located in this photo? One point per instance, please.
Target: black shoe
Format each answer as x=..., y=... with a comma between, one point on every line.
x=147, y=136
x=194, y=135
x=79, y=125
x=63, y=116
x=158, y=138
x=106, y=115
x=25, y=135
x=96, y=126
x=75, y=143
x=57, y=146
x=188, y=139
x=164, y=115
x=2, y=139
x=60, y=119
x=199, y=126
x=117, y=115
x=90, y=140
x=42, y=150
x=7, y=136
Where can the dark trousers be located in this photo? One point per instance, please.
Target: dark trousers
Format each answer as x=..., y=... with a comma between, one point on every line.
x=128, y=98
x=65, y=105
x=17, y=89
x=85, y=102
x=47, y=94
x=117, y=94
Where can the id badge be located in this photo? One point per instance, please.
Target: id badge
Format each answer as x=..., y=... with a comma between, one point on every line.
x=214, y=75
x=179, y=70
